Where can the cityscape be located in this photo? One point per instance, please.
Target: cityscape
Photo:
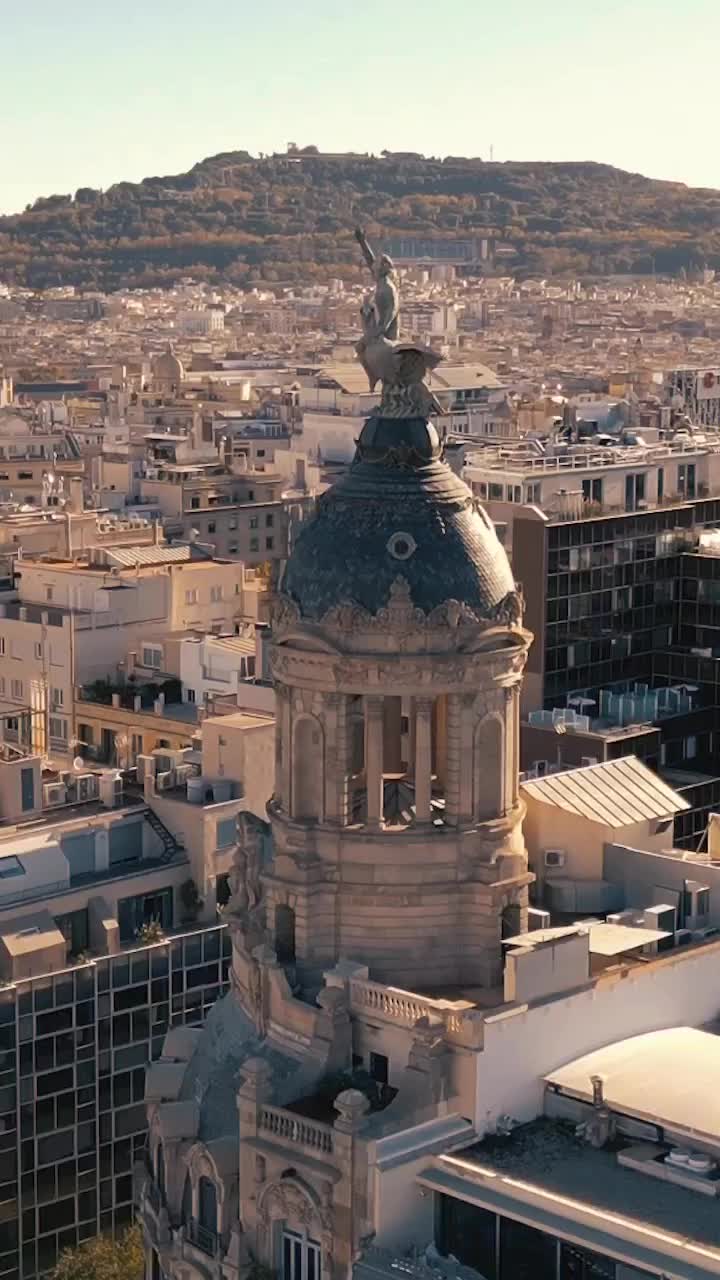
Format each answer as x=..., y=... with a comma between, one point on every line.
x=360, y=723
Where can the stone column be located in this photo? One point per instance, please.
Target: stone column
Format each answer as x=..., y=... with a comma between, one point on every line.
x=336, y=757
x=282, y=745
x=453, y=781
x=423, y=758
x=374, y=758
x=350, y=1191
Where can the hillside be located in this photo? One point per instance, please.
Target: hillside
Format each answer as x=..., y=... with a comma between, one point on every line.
x=290, y=218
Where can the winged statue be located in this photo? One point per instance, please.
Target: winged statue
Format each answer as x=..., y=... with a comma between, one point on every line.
x=400, y=367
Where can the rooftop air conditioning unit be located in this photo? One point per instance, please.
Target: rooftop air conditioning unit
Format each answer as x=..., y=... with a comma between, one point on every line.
x=164, y=781
x=111, y=790
x=629, y=918
x=585, y=761
x=683, y=937
x=145, y=765
x=53, y=794
x=697, y=905
x=661, y=917
x=554, y=857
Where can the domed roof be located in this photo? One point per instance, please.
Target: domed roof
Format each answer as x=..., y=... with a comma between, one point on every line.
x=398, y=512
x=167, y=367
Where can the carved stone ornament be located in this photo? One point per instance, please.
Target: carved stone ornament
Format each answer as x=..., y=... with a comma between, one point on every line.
x=399, y=614
x=296, y=1203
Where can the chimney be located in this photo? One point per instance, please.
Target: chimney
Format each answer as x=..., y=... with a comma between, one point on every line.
x=597, y=1083
x=75, y=502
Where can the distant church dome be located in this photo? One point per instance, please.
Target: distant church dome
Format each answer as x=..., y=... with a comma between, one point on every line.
x=399, y=511
x=167, y=370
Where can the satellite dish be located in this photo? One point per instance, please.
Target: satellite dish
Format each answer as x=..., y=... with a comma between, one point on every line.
x=78, y=763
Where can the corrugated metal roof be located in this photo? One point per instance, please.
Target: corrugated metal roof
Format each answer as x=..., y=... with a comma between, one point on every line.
x=128, y=557
x=614, y=793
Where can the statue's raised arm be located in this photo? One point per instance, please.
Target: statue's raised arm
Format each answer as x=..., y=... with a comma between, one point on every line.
x=367, y=252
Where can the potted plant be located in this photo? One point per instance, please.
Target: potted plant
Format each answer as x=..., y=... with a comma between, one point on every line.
x=149, y=932
x=191, y=901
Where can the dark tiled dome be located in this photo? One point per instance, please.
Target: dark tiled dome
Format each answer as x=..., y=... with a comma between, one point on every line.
x=399, y=511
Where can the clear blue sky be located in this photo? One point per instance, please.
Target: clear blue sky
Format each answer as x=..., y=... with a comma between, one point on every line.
x=95, y=91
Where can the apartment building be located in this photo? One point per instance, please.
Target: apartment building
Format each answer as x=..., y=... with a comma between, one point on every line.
x=85, y=996
x=103, y=615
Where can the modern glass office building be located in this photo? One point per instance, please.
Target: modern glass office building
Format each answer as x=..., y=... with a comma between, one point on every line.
x=74, y=1046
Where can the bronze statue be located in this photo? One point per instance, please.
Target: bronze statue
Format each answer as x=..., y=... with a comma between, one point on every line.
x=400, y=367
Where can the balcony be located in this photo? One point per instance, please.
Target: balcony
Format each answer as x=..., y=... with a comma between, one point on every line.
x=202, y=1238
x=294, y=1130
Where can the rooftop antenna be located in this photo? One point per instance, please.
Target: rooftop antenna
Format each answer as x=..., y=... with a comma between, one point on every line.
x=492, y=152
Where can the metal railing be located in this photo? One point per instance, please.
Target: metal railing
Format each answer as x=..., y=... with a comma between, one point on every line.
x=202, y=1238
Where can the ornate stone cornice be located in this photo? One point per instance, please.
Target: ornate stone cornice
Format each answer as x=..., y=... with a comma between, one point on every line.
x=399, y=614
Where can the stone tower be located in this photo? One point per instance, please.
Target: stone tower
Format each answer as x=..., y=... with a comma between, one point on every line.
x=397, y=654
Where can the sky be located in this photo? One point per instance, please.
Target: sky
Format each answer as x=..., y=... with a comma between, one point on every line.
x=96, y=91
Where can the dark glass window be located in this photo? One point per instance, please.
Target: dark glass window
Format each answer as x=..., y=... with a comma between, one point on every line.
x=525, y=1253
x=469, y=1233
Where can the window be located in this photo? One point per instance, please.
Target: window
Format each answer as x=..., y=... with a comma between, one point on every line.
x=232, y=524
x=194, y=504
x=253, y=522
x=660, y=483
x=379, y=1067
x=57, y=697
x=232, y=550
x=222, y=889
x=269, y=521
x=48, y=593
x=37, y=649
x=216, y=594
x=2, y=646
x=532, y=492
x=191, y=595
x=11, y=866
x=251, y=495
x=496, y=493
x=269, y=544
x=212, y=524
x=17, y=689
x=58, y=728
x=301, y=1259
x=254, y=544
x=226, y=833
x=190, y=695
x=152, y=657
x=690, y=747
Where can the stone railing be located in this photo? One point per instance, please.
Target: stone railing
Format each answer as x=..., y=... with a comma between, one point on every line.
x=296, y=1130
x=461, y=1020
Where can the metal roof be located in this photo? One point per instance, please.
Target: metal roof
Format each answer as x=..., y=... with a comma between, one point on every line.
x=615, y=793
x=668, y=1077
x=605, y=939
x=128, y=557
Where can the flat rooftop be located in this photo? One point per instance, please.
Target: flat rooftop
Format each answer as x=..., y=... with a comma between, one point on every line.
x=545, y=1156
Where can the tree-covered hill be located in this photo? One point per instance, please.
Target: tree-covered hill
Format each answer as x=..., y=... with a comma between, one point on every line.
x=290, y=218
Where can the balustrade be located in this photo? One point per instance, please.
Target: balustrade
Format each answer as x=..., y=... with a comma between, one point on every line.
x=296, y=1129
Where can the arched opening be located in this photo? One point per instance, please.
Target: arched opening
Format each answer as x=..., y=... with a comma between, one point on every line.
x=160, y=1170
x=285, y=933
x=186, y=1210
x=488, y=771
x=207, y=1205
x=308, y=770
